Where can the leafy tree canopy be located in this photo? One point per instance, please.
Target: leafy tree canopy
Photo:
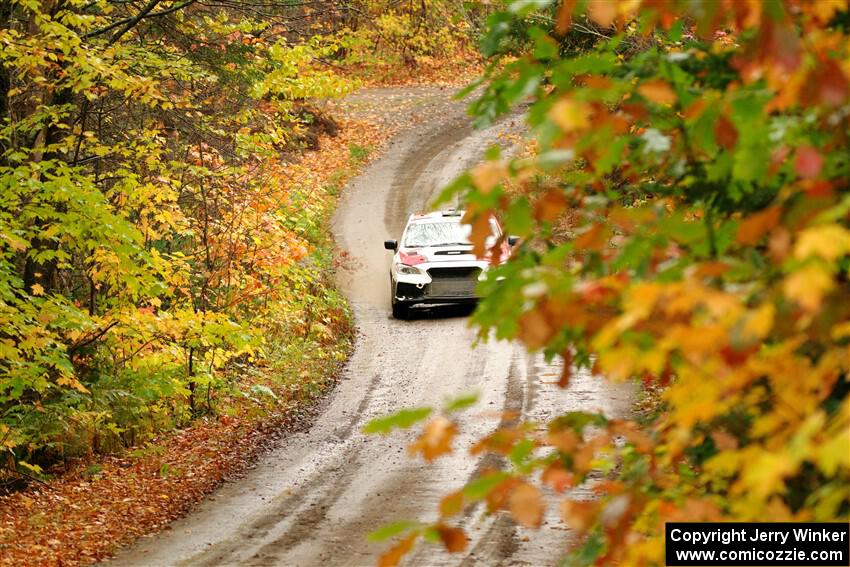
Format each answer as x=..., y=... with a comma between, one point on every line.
x=684, y=215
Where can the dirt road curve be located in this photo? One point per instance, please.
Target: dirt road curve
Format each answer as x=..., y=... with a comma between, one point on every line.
x=312, y=500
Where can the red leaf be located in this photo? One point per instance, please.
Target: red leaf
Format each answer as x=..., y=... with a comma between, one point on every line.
x=725, y=133
x=808, y=162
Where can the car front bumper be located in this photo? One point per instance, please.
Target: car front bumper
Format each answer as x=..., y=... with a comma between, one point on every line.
x=439, y=283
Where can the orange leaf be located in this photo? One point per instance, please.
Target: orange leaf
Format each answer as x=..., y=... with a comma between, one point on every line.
x=725, y=133
x=603, y=12
x=591, y=239
x=827, y=85
x=724, y=441
x=567, y=370
x=712, y=269
x=565, y=16
x=756, y=225
x=481, y=230
x=436, y=439
x=695, y=109
x=534, y=329
x=392, y=557
x=454, y=539
x=527, y=505
x=487, y=175
x=570, y=114
x=550, y=206
x=565, y=441
x=658, y=91
x=579, y=515
x=557, y=478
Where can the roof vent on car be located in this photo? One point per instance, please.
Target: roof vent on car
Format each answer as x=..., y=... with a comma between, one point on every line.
x=451, y=213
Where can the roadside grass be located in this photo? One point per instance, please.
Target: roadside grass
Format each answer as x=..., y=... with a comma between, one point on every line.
x=87, y=507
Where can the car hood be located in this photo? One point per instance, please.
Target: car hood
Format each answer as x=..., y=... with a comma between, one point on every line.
x=439, y=254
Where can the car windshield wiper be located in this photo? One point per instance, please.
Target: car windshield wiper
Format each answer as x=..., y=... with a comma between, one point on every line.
x=438, y=245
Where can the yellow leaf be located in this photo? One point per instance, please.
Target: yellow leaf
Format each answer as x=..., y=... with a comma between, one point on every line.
x=570, y=114
x=37, y=289
x=828, y=241
x=72, y=382
x=760, y=321
x=766, y=473
x=808, y=285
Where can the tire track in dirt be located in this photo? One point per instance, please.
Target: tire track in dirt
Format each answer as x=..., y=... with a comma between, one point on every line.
x=312, y=500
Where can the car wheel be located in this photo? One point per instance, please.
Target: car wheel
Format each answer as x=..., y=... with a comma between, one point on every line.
x=400, y=310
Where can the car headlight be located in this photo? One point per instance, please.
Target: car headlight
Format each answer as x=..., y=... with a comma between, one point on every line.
x=408, y=270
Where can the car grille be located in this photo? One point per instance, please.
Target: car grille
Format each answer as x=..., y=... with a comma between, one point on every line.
x=465, y=272
x=453, y=282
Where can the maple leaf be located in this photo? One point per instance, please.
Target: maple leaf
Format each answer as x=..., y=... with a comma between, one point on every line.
x=808, y=285
x=829, y=242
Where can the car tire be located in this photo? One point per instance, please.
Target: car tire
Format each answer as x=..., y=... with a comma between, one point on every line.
x=400, y=310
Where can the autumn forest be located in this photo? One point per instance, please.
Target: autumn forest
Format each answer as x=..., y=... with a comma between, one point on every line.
x=181, y=293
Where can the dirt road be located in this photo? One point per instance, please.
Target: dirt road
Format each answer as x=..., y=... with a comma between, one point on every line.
x=312, y=500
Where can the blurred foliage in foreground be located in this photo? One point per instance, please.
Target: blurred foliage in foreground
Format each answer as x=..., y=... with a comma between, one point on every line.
x=700, y=150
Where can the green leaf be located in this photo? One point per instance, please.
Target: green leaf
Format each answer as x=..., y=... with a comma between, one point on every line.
x=401, y=419
x=393, y=529
x=519, y=220
x=481, y=487
x=460, y=402
x=578, y=420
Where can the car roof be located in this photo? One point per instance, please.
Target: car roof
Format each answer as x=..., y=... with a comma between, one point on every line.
x=448, y=215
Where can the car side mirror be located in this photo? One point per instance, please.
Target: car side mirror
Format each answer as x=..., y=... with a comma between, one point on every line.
x=512, y=240
x=391, y=244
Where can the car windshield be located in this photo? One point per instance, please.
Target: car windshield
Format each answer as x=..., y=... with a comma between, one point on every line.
x=425, y=234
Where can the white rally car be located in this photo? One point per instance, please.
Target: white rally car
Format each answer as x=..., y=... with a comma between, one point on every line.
x=434, y=262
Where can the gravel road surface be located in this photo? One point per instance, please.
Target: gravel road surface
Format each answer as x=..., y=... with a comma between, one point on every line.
x=312, y=500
